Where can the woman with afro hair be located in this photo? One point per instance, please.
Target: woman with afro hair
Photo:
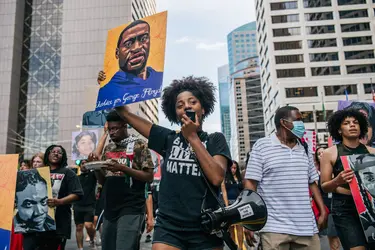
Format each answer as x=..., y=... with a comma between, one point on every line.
x=183, y=192
x=347, y=127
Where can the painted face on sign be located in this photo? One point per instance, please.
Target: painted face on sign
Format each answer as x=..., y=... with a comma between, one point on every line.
x=32, y=204
x=134, y=48
x=368, y=180
x=85, y=145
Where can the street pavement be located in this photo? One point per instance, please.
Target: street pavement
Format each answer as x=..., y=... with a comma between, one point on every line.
x=72, y=244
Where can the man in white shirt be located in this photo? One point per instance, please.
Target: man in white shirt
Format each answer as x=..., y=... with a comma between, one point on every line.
x=282, y=171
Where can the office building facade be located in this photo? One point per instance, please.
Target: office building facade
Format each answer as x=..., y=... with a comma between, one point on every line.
x=223, y=76
x=247, y=114
x=244, y=91
x=56, y=51
x=313, y=53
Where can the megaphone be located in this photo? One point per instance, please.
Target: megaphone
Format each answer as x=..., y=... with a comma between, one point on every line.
x=248, y=210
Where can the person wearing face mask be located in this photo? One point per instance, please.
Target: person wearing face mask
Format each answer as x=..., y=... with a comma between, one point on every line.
x=281, y=170
x=347, y=127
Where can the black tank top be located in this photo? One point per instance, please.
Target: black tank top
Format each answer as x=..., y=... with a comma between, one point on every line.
x=343, y=150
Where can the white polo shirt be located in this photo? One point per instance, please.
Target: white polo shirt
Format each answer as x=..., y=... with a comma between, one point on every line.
x=283, y=176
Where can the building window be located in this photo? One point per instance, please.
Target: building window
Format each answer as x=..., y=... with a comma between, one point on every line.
x=320, y=16
x=360, y=54
x=351, y=41
x=357, y=69
x=289, y=59
x=285, y=18
x=340, y=89
x=321, y=43
x=285, y=73
x=354, y=27
x=288, y=45
x=349, y=2
x=353, y=14
x=323, y=71
x=308, y=116
x=301, y=92
x=324, y=29
x=369, y=87
x=284, y=5
x=316, y=3
x=286, y=32
x=321, y=57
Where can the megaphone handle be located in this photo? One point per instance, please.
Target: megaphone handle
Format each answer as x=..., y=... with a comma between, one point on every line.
x=228, y=240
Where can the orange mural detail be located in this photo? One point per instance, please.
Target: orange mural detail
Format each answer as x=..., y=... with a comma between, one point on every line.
x=8, y=177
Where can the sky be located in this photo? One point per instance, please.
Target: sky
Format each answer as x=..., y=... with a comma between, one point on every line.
x=196, y=41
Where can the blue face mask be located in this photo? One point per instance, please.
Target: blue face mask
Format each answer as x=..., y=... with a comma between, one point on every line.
x=298, y=128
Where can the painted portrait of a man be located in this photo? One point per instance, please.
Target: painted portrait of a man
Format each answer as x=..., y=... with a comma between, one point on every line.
x=136, y=52
x=31, y=203
x=132, y=52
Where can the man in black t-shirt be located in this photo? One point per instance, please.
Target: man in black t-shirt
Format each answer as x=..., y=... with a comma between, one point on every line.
x=84, y=209
x=129, y=167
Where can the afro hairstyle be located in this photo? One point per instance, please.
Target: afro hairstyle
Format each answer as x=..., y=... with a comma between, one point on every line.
x=201, y=87
x=334, y=123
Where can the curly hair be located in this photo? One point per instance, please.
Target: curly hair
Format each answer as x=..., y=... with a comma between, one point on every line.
x=64, y=159
x=334, y=123
x=201, y=87
x=370, y=111
x=25, y=178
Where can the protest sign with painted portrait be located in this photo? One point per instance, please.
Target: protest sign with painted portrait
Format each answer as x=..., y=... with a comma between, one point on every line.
x=33, y=189
x=84, y=143
x=134, y=62
x=363, y=190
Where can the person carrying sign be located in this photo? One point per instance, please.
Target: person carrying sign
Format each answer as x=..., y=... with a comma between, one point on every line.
x=187, y=154
x=347, y=127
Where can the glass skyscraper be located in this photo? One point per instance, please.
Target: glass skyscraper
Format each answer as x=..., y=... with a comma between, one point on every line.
x=38, y=118
x=242, y=44
x=223, y=76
